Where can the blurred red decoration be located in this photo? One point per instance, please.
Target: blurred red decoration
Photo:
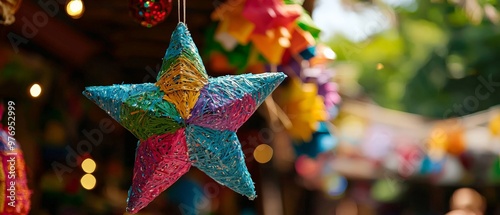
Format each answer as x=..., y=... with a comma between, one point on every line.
x=270, y=14
x=150, y=12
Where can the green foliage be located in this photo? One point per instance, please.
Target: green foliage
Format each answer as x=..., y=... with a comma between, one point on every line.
x=432, y=61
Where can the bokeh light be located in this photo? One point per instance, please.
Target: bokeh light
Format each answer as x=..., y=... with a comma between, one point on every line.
x=35, y=90
x=75, y=9
x=386, y=190
x=89, y=165
x=307, y=167
x=380, y=66
x=263, y=153
x=334, y=185
x=351, y=128
x=88, y=181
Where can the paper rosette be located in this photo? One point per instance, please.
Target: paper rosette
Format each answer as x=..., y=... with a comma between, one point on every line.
x=185, y=119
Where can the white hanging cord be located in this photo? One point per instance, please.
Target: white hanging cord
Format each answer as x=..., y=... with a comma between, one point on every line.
x=184, y=7
x=274, y=68
x=183, y=10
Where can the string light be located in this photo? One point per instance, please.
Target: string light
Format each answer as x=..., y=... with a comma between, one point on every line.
x=88, y=181
x=75, y=8
x=35, y=90
x=89, y=165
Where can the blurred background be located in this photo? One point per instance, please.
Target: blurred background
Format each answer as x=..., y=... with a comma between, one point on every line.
x=390, y=106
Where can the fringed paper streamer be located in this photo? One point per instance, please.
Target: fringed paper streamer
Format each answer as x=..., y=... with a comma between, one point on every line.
x=186, y=115
x=14, y=191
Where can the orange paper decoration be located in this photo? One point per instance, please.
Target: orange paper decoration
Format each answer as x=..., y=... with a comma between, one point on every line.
x=300, y=40
x=272, y=45
x=447, y=136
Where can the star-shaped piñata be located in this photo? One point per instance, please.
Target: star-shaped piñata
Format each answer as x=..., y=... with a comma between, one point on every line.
x=184, y=119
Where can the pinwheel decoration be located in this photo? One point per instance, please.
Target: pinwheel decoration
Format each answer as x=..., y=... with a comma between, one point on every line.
x=185, y=119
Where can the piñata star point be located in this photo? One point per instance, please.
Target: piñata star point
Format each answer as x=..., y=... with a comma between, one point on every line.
x=185, y=119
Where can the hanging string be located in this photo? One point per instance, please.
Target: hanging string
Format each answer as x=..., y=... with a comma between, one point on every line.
x=274, y=68
x=183, y=10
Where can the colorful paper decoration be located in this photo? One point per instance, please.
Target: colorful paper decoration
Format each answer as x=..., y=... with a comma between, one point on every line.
x=447, y=136
x=15, y=196
x=330, y=93
x=494, y=125
x=242, y=59
x=271, y=27
x=322, y=141
x=323, y=56
x=334, y=184
x=150, y=12
x=304, y=108
x=7, y=10
x=409, y=158
x=184, y=119
x=300, y=40
x=306, y=23
x=431, y=166
x=233, y=23
x=272, y=45
x=378, y=142
x=270, y=14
